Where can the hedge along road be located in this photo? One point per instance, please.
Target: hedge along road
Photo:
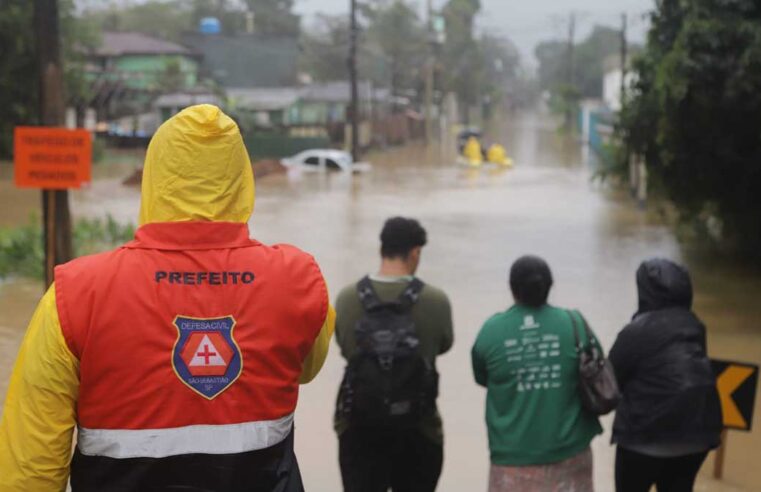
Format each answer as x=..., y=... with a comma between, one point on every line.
x=478, y=222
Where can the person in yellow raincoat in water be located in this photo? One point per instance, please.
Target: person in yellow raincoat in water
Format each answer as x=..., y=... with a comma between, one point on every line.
x=472, y=152
x=497, y=155
x=177, y=356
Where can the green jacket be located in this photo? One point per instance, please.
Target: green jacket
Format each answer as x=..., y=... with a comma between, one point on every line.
x=526, y=358
x=431, y=314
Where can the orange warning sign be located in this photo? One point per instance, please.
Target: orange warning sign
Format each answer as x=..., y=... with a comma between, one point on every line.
x=736, y=382
x=51, y=158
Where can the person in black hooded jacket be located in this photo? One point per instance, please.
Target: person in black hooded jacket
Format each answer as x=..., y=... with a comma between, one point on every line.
x=670, y=414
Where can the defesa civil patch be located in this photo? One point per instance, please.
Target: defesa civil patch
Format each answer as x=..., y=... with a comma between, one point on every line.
x=205, y=356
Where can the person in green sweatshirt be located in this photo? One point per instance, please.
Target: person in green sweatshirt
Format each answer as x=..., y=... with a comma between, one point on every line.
x=526, y=357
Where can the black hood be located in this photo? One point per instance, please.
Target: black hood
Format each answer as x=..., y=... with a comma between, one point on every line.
x=663, y=284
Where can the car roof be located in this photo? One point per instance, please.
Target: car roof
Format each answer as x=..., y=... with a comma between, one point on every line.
x=325, y=153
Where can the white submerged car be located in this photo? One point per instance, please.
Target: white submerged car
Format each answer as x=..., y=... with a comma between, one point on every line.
x=325, y=160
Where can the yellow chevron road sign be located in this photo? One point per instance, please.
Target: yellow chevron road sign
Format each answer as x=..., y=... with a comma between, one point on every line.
x=737, y=383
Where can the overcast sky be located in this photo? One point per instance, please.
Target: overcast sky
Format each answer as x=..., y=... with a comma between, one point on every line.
x=528, y=22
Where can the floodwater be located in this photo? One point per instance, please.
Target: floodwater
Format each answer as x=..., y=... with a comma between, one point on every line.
x=478, y=222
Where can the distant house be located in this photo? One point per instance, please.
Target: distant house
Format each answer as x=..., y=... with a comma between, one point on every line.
x=317, y=104
x=329, y=102
x=128, y=70
x=266, y=106
x=611, y=84
x=247, y=60
x=170, y=104
x=143, y=62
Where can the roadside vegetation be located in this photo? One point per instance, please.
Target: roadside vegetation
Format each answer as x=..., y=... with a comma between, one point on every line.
x=22, y=251
x=693, y=115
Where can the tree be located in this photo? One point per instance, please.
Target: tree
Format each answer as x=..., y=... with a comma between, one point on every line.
x=18, y=69
x=166, y=20
x=396, y=31
x=171, y=79
x=274, y=17
x=589, y=62
x=325, y=48
x=501, y=67
x=695, y=112
x=230, y=15
x=18, y=72
x=461, y=54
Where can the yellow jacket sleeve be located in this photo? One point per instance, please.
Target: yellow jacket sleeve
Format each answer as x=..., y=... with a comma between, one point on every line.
x=40, y=408
x=316, y=358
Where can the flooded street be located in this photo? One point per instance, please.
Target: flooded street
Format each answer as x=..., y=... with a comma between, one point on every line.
x=478, y=222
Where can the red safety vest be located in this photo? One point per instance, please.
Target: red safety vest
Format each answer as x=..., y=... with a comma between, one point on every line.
x=191, y=339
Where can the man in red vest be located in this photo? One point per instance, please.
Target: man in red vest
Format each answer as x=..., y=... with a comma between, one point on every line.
x=178, y=357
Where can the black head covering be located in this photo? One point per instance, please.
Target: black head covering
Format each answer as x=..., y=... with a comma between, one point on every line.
x=662, y=284
x=530, y=280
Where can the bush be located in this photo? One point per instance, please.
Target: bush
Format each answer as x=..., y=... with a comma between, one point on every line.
x=22, y=251
x=98, y=150
x=694, y=114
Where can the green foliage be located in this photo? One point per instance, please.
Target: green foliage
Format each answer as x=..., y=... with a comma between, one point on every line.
x=79, y=36
x=169, y=19
x=18, y=72
x=695, y=112
x=564, y=99
x=394, y=46
x=98, y=150
x=163, y=19
x=397, y=32
x=171, y=79
x=325, y=47
x=274, y=17
x=18, y=69
x=96, y=235
x=22, y=251
x=462, y=56
x=588, y=62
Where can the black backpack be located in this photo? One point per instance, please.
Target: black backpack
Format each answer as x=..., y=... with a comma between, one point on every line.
x=387, y=382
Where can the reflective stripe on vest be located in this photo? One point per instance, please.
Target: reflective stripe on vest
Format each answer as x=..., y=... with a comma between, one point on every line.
x=205, y=439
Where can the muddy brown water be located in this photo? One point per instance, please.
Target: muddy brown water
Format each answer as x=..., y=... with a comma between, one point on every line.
x=478, y=222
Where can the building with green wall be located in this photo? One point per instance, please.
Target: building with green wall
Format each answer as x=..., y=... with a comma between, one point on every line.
x=129, y=70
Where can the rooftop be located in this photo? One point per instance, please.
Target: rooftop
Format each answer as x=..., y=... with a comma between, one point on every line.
x=264, y=98
x=135, y=43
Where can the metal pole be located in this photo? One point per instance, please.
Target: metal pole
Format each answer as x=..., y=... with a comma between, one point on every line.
x=624, y=55
x=55, y=203
x=429, y=77
x=355, y=109
x=642, y=182
x=718, y=462
x=571, y=36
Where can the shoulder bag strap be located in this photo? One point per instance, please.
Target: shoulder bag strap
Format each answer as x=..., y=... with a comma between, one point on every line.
x=579, y=345
x=587, y=330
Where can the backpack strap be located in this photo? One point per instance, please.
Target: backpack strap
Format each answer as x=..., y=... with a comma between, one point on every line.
x=411, y=294
x=367, y=295
x=370, y=300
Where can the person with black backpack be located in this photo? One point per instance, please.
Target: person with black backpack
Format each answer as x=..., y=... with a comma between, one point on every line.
x=391, y=327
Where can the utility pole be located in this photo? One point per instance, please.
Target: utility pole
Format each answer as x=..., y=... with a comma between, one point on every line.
x=624, y=55
x=355, y=110
x=429, y=73
x=55, y=203
x=570, y=61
